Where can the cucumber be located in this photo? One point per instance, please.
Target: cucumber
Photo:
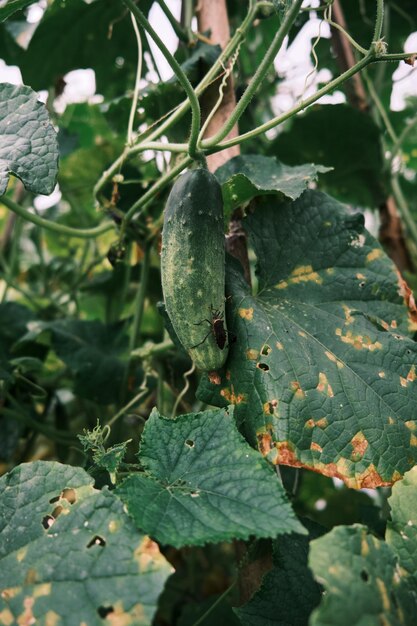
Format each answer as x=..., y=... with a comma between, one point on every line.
x=193, y=267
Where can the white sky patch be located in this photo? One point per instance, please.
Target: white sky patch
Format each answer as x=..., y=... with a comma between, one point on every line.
x=10, y=74
x=160, y=23
x=41, y=203
x=80, y=87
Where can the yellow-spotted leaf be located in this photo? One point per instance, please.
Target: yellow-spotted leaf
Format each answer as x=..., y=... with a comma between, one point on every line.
x=323, y=371
x=70, y=555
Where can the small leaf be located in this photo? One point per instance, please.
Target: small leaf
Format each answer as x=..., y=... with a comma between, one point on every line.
x=70, y=554
x=250, y=175
x=203, y=483
x=28, y=141
x=322, y=372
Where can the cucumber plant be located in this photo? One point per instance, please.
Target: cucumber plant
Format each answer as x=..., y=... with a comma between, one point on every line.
x=135, y=447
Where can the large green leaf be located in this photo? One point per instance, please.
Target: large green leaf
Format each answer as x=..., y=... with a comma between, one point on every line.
x=322, y=371
x=69, y=554
x=288, y=592
x=97, y=35
x=343, y=138
x=203, y=483
x=380, y=578
x=245, y=177
x=28, y=144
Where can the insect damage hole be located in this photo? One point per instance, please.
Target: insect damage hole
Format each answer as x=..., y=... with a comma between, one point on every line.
x=265, y=350
x=364, y=575
x=47, y=521
x=96, y=541
x=189, y=443
x=263, y=366
x=104, y=611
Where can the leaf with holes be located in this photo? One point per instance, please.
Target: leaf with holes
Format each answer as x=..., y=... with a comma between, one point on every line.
x=203, y=483
x=322, y=371
x=69, y=554
x=379, y=577
x=28, y=141
x=245, y=177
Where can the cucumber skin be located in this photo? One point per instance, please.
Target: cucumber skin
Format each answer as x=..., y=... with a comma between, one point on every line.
x=193, y=264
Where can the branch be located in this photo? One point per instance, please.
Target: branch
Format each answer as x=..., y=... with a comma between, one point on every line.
x=179, y=73
x=86, y=233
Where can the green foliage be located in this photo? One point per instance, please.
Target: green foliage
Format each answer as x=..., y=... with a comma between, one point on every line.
x=246, y=177
x=290, y=583
x=213, y=487
x=319, y=358
x=58, y=532
x=380, y=576
x=348, y=141
x=327, y=330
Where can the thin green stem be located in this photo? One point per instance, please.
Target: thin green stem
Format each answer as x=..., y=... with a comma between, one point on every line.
x=137, y=81
x=178, y=30
x=296, y=109
x=129, y=152
x=259, y=75
x=217, y=66
x=352, y=41
x=178, y=113
x=402, y=204
x=151, y=349
x=68, y=231
x=379, y=22
x=179, y=73
x=402, y=137
x=158, y=186
x=14, y=254
x=142, y=392
x=216, y=603
x=381, y=109
x=140, y=299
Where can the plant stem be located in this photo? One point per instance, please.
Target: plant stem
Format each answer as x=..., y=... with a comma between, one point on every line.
x=299, y=107
x=259, y=74
x=68, y=231
x=379, y=22
x=140, y=298
x=404, y=209
x=160, y=184
x=137, y=81
x=131, y=151
x=143, y=391
x=152, y=349
x=178, y=30
x=179, y=73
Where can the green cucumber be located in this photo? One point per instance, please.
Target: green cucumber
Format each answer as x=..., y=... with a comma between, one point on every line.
x=193, y=267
